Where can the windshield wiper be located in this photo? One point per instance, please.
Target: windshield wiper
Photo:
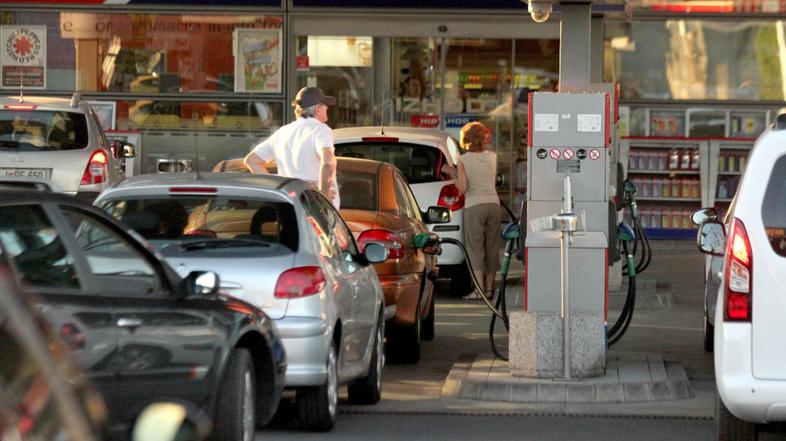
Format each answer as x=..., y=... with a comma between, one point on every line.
x=201, y=244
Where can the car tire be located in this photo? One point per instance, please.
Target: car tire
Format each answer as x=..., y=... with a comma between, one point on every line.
x=235, y=413
x=709, y=336
x=317, y=407
x=404, y=343
x=731, y=428
x=427, y=328
x=461, y=282
x=368, y=390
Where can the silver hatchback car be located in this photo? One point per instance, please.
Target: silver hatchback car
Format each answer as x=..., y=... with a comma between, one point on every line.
x=59, y=141
x=278, y=244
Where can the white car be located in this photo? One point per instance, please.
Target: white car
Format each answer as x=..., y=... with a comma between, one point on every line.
x=750, y=361
x=58, y=141
x=420, y=154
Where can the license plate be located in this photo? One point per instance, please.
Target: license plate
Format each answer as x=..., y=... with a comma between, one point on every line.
x=28, y=173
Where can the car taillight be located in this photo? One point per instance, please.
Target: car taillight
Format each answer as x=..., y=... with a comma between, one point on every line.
x=21, y=106
x=95, y=172
x=394, y=244
x=451, y=198
x=739, y=275
x=300, y=282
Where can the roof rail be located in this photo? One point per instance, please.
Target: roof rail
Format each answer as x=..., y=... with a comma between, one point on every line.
x=75, y=99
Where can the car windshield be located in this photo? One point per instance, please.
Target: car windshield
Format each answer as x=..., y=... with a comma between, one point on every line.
x=196, y=222
x=42, y=130
x=358, y=190
x=419, y=163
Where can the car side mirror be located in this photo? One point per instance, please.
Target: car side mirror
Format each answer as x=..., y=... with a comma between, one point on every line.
x=704, y=215
x=711, y=238
x=375, y=252
x=437, y=215
x=129, y=151
x=170, y=422
x=201, y=283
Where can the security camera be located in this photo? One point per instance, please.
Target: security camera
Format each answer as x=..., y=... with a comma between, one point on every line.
x=539, y=10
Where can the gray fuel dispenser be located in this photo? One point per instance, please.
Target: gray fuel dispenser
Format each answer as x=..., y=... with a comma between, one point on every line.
x=569, y=140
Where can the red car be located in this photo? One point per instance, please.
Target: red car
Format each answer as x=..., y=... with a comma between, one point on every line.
x=378, y=205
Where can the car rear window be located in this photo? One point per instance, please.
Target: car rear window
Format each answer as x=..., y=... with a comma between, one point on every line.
x=42, y=130
x=358, y=190
x=418, y=163
x=205, y=218
x=773, y=212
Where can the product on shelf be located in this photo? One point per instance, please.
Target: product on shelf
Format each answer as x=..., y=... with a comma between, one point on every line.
x=674, y=159
x=685, y=160
x=695, y=159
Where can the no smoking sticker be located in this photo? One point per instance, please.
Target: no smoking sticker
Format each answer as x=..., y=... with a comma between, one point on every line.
x=555, y=154
x=594, y=154
x=568, y=154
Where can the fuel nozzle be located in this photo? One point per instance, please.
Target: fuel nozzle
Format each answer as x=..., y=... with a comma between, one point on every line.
x=511, y=231
x=629, y=198
x=626, y=235
x=423, y=240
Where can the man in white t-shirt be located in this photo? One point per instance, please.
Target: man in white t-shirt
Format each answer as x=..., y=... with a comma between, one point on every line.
x=302, y=149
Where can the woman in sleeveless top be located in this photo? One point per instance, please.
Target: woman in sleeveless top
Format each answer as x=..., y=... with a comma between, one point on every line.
x=477, y=171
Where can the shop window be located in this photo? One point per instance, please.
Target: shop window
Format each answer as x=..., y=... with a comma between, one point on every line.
x=159, y=53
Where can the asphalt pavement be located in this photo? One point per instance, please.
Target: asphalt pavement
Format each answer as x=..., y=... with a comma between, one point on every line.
x=670, y=328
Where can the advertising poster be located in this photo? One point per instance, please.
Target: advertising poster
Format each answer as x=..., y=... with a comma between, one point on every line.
x=258, y=60
x=23, y=59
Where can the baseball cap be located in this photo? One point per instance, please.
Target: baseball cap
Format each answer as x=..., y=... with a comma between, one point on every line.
x=310, y=96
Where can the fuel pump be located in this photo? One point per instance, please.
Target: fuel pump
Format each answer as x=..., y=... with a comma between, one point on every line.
x=567, y=238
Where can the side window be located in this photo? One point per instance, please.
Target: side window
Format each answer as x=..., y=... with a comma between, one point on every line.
x=33, y=244
x=316, y=219
x=117, y=266
x=411, y=201
x=402, y=197
x=330, y=221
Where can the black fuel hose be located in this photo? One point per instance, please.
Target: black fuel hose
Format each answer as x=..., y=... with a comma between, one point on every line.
x=626, y=315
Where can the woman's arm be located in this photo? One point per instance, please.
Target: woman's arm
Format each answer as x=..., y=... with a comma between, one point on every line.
x=461, y=180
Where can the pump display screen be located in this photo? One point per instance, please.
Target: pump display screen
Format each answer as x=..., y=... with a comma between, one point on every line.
x=568, y=166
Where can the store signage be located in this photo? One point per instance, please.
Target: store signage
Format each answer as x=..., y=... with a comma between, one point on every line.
x=459, y=120
x=452, y=105
x=428, y=121
x=257, y=60
x=23, y=57
x=301, y=63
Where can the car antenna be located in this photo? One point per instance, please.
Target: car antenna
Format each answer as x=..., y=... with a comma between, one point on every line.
x=382, y=117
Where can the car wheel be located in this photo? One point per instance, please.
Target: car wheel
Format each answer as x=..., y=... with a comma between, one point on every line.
x=427, y=328
x=236, y=400
x=461, y=282
x=709, y=335
x=317, y=407
x=368, y=390
x=404, y=343
x=731, y=428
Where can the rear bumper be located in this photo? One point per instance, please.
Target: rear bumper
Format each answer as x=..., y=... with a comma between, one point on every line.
x=748, y=398
x=402, y=290
x=306, y=341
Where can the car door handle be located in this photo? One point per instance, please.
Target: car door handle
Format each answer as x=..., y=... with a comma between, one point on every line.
x=127, y=322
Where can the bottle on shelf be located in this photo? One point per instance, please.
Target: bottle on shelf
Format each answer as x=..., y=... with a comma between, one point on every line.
x=721, y=162
x=674, y=159
x=742, y=161
x=657, y=185
x=695, y=188
x=685, y=159
x=655, y=218
x=676, y=191
x=663, y=160
x=685, y=217
x=642, y=162
x=652, y=161
x=633, y=161
x=665, y=189
x=695, y=159
x=685, y=187
x=723, y=190
x=731, y=163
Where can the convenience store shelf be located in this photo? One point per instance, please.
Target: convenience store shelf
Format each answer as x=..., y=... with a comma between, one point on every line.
x=720, y=173
x=656, y=199
x=670, y=233
x=665, y=172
